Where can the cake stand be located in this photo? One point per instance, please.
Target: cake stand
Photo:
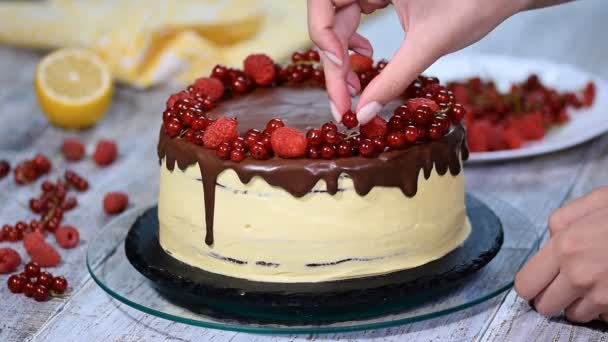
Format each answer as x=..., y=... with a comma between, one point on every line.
x=485, y=266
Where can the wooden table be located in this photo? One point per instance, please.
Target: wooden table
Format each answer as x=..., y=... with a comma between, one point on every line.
x=574, y=33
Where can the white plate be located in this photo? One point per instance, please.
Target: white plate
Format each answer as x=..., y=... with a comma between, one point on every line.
x=584, y=124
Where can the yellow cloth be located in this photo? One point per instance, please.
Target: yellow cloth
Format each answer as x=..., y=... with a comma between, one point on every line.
x=147, y=42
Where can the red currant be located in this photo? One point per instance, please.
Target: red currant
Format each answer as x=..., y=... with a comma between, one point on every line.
x=59, y=284
x=168, y=114
x=442, y=121
x=189, y=135
x=423, y=115
x=187, y=117
x=435, y=132
x=296, y=76
x=331, y=137
x=313, y=152
x=273, y=124
x=223, y=151
x=379, y=144
x=265, y=139
x=239, y=86
x=312, y=55
x=349, y=119
x=32, y=269
x=318, y=75
x=34, y=224
x=297, y=57
x=237, y=155
x=29, y=288
x=314, y=137
x=367, y=148
x=328, y=151
x=45, y=278
x=396, y=123
x=422, y=132
x=442, y=96
x=345, y=149
x=457, y=113
x=15, y=283
x=35, y=205
x=239, y=144
x=252, y=136
x=69, y=203
x=329, y=126
x=395, y=140
x=41, y=293
x=13, y=235
x=259, y=151
x=173, y=127
x=198, y=138
x=411, y=134
x=220, y=72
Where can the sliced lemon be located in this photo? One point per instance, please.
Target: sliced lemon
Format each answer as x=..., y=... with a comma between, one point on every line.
x=74, y=88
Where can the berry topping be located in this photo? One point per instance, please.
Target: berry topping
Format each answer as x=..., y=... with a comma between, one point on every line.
x=375, y=128
x=360, y=63
x=260, y=68
x=67, y=236
x=115, y=202
x=329, y=126
x=223, y=151
x=173, y=127
x=314, y=137
x=9, y=260
x=288, y=142
x=349, y=119
x=273, y=125
x=413, y=104
x=72, y=149
x=367, y=148
x=328, y=151
x=209, y=87
x=221, y=130
x=259, y=151
x=105, y=152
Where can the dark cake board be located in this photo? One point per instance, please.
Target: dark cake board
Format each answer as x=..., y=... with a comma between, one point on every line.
x=330, y=301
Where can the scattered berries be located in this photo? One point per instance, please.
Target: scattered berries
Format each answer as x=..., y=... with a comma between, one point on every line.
x=9, y=260
x=115, y=202
x=41, y=252
x=288, y=142
x=5, y=168
x=72, y=149
x=260, y=68
x=221, y=130
x=375, y=128
x=105, y=153
x=67, y=237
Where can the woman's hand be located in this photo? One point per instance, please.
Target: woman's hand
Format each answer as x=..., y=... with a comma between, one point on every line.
x=570, y=272
x=434, y=28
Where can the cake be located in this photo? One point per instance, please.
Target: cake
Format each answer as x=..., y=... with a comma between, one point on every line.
x=252, y=185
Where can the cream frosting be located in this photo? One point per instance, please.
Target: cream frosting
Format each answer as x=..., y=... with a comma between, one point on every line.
x=263, y=233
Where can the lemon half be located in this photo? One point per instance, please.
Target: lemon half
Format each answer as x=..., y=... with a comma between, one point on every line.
x=74, y=88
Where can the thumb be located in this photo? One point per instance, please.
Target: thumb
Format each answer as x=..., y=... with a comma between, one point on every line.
x=413, y=57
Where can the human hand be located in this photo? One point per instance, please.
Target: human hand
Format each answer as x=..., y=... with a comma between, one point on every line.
x=434, y=28
x=571, y=270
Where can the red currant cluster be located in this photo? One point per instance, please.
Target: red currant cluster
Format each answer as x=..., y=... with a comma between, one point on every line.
x=5, y=168
x=427, y=115
x=33, y=282
x=30, y=170
x=51, y=204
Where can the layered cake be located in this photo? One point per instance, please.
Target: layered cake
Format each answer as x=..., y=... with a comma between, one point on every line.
x=256, y=184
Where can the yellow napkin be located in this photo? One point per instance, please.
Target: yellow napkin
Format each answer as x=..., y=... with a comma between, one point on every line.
x=147, y=42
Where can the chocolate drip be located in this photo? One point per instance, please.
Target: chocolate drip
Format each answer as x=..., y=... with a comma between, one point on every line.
x=301, y=107
x=298, y=176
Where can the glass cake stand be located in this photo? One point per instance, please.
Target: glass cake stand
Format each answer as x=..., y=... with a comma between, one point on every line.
x=112, y=271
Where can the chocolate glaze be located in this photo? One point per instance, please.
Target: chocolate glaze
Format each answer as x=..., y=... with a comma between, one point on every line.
x=303, y=108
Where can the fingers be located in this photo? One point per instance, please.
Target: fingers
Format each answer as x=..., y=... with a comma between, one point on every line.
x=339, y=82
x=585, y=310
x=410, y=60
x=537, y=273
x=360, y=45
x=556, y=297
x=577, y=209
x=321, y=21
x=604, y=316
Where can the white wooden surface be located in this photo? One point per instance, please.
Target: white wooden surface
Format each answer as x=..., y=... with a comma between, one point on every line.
x=573, y=33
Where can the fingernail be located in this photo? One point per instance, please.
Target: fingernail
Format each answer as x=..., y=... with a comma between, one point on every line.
x=334, y=112
x=352, y=90
x=333, y=58
x=368, y=112
x=364, y=52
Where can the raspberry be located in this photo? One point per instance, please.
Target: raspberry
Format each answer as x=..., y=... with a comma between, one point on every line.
x=360, y=63
x=589, y=94
x=210, y=87
x=375, y=128
x=260, y=68
x=105, y=152
x=72, y=149
x=67, y=237
x=413, y=104
x=115, y=202
x=182, y=95
x=40, y=251
x=221, y=130
x=288, y=142
x=9, y=260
